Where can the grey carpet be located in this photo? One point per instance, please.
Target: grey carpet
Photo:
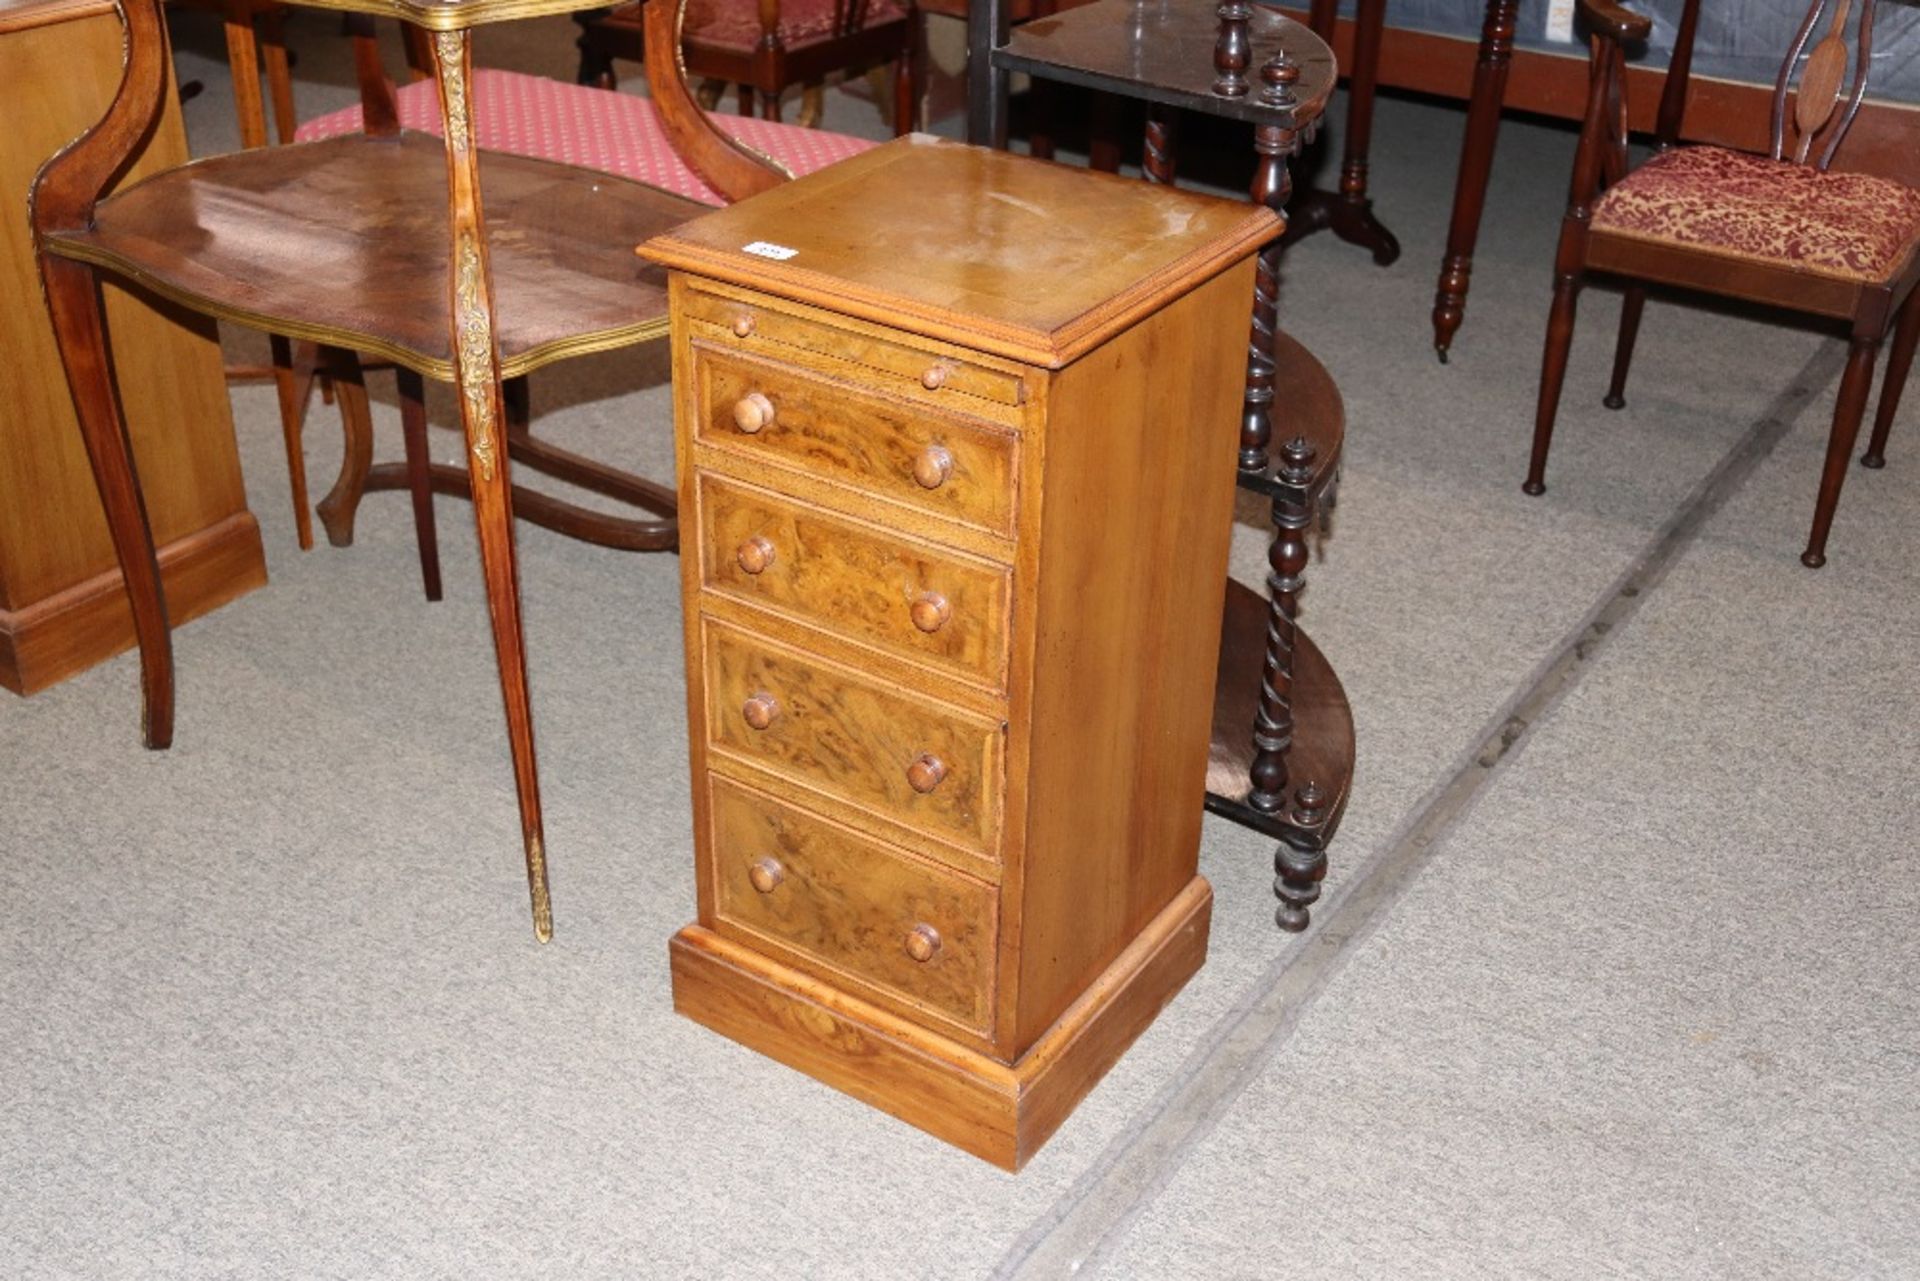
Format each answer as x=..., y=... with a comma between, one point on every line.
x=271, y=1005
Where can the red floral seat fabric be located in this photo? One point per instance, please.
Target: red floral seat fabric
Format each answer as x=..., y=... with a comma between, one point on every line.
x=616, y=133
x=735, y=24
x=1846, y=225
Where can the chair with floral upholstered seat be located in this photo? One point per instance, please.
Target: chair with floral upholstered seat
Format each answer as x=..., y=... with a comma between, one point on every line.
x=766, y=46
x=1783, y=229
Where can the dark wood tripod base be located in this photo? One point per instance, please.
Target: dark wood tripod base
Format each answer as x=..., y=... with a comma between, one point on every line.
x=1347, y=212
x=1348, y=218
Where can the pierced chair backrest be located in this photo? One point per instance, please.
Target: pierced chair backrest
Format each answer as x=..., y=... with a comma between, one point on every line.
x=1811, y=113
x=1816, y=111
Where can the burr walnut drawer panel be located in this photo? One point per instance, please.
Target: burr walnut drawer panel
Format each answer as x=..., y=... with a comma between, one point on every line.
x=858, y=581
x=928, y=766
x=939, y=463
x=747, y=323
x=848, y=905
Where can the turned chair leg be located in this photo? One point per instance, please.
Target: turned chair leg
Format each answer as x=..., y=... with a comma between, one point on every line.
x=342, y=503
x=79, y=325
x=1847, y=412
x=413, y=432
x=1899, y=360
x=1553, y=372
x=746, y=100
x=813, y=105
x=273, y=46
x=1630, y=308
x=909, y=76
x=293, y=386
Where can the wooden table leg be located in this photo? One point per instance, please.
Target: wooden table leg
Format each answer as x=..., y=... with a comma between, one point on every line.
x=1272, y=186
x=1156, y=157
x=79, y=325
x=342, y=503
x=243, y=60
x=413, y=432
x=482, y=410
x=273, y=44
x=1476, y=166
x=987, y=27
x=294, y=388
x=1298, y=869
x=63, y=197
x=1348, y=213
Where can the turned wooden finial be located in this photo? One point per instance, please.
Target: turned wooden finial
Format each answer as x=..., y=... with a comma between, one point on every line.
x=1279, y=74
x=1309, y=804
x=1296, y=461
x=1233, y=49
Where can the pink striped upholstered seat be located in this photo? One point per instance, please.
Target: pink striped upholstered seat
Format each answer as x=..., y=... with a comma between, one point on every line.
x=617, y=133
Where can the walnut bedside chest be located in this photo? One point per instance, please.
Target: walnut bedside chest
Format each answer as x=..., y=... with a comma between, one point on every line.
x=956, y=440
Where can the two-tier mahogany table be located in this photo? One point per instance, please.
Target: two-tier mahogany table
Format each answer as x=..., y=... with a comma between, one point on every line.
x=955, y=439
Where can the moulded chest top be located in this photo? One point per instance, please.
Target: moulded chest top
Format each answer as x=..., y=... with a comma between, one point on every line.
x=1019, y=257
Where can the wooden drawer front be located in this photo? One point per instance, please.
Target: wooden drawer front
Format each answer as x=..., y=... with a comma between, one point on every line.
x=746, y=324
x=867, y=742
x=918, y=933
x=892, y=448
x=855, y=580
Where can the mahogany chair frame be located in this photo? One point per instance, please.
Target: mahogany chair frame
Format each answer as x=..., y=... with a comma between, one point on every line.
x=1808, y=126
x=63, y=204
x=765, y=73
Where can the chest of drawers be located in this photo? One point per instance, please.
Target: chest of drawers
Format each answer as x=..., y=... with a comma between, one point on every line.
x=956, y=436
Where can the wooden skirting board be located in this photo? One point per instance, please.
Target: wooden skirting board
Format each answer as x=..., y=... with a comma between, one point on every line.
x=60, y=635
x=1728, y=113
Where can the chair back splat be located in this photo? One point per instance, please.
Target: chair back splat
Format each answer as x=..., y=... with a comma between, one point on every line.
x=1819, y=93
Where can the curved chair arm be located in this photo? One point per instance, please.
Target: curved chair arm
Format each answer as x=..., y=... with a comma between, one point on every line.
x=69, y=184
x=733, y=169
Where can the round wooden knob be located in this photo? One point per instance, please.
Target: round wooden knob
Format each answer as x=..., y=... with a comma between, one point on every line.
x=766, y=875
x=923, y=942
x=755, y=555
x=926, y=772
x=930, y=612
x=753, y=413
x=760, y=711
x=742, y=326
x=932, y=466
x=935, y=378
